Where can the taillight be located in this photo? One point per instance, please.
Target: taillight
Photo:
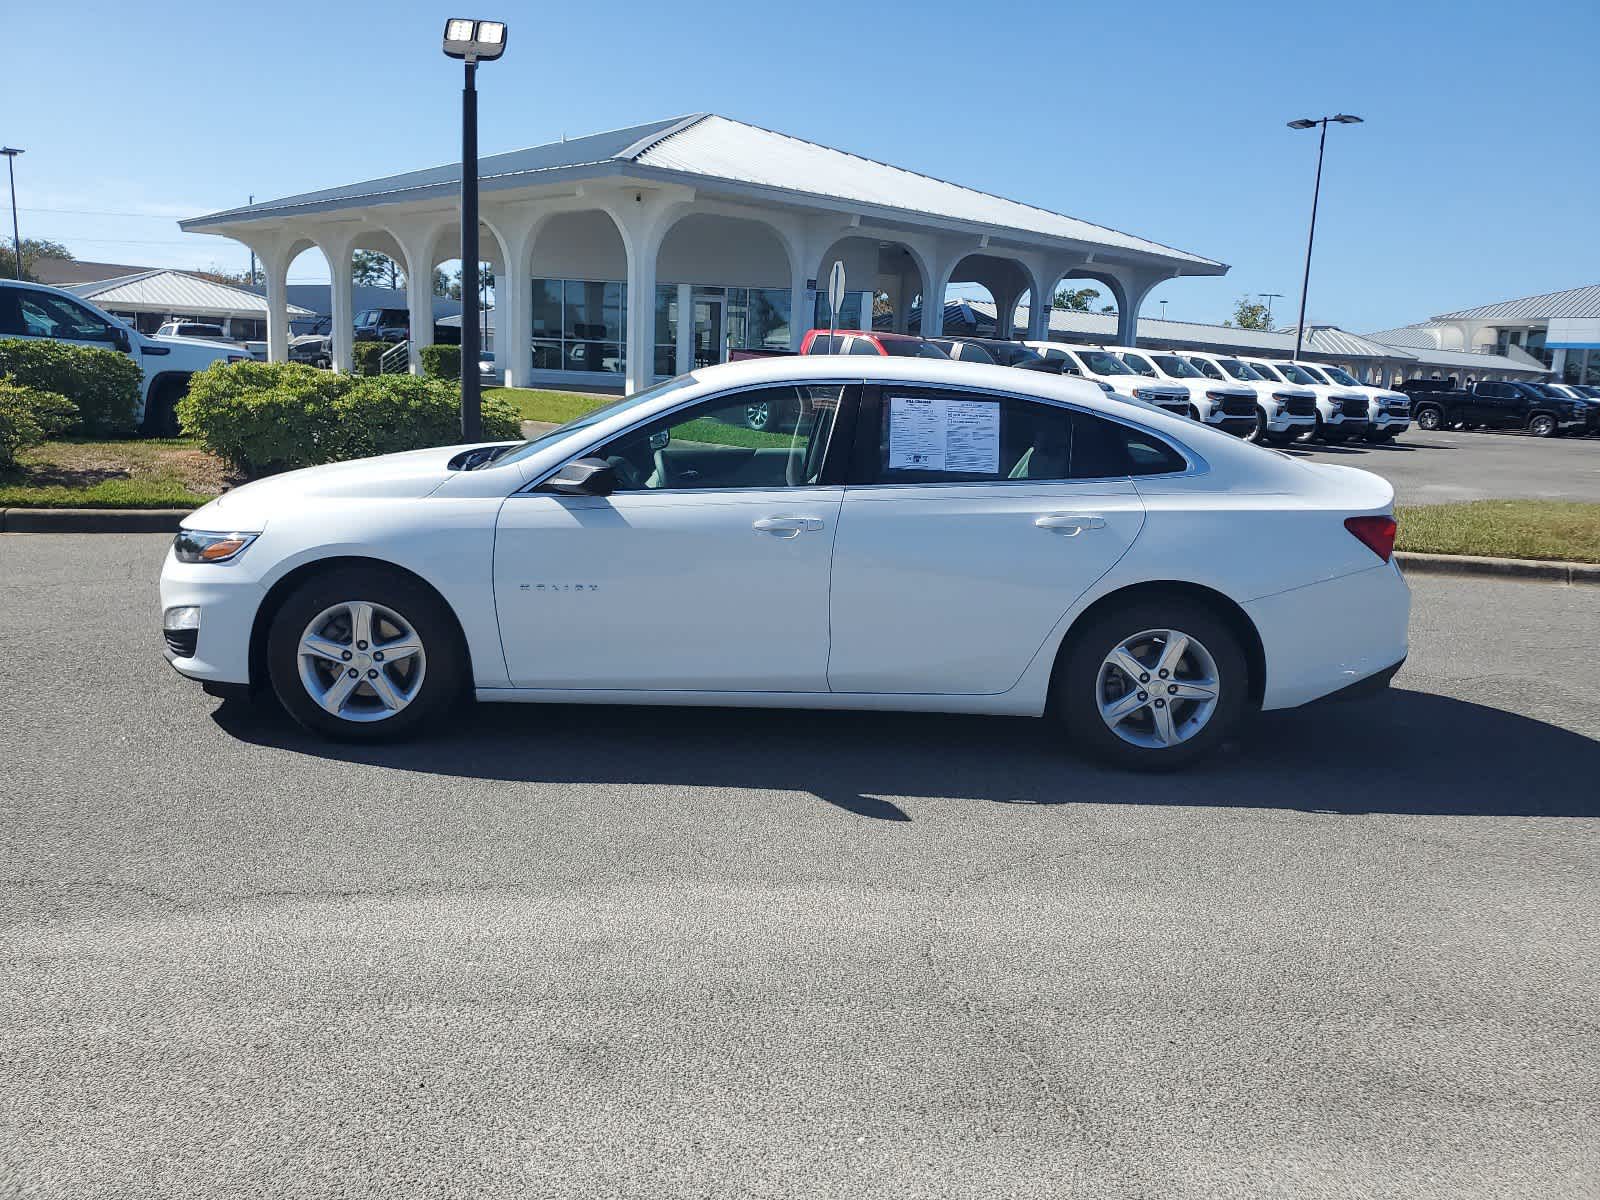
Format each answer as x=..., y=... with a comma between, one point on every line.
x=1375, y=533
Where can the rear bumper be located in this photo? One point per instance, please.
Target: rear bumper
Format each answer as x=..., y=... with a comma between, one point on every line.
x=1327, y=637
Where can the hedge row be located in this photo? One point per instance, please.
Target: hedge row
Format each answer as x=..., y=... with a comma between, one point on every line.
x=28, y=415
x=364, y=357
x=441, y=362
x=103, y=384
x=267, y=417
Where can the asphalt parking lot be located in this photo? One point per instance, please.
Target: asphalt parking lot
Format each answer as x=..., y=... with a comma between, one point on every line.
x=629, y=953
x=1448, y=465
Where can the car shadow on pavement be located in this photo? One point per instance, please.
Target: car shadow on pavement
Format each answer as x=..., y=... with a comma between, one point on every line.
x=1402, y=752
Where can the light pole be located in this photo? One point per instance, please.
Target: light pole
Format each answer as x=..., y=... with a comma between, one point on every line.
x=1269, y=297
x=1316, y=191
x=471, y=41
x=11, y=153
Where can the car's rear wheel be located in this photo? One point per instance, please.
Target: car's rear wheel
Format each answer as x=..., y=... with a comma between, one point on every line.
x=1542, y=425
x=1153, y=686
x=365, y=654
x=1429, y=418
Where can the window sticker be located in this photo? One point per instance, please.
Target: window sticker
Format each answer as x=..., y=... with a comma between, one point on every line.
x=933, y=433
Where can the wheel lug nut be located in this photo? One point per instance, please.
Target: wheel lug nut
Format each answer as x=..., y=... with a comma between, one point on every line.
x=372, y=674
x=345, y=655
x=354, y=674
x=1172, y=689
x=1144, y=696
x=1163, y=673
x=361, y=645
x=1161, y=703
x=1144, y=679
x=377, y=656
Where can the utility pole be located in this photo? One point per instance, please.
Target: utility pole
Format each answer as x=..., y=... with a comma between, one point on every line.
x=1269, y=297
x=252, y=253
x=11, y=153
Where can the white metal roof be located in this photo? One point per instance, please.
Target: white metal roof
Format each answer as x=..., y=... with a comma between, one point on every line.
x=1574, y=302
x=708, y=148
x=724, y=149
x=177, y=292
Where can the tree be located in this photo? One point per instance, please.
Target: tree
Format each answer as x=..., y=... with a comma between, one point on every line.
x=217, y=273
x=1249, y=316
x=33, y=249
x=1076, y=299
x=441, y=282
x=368, y=268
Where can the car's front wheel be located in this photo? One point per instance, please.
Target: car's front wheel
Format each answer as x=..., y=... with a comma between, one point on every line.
x=1542, y=425
x=365, y=654
x=1153, y=686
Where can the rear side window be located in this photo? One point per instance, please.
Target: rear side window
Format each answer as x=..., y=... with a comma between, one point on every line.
x=862, y=346
x=927, y=435
x=824, y=343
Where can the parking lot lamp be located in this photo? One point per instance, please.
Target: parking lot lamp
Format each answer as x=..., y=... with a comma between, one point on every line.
x=472, y=41
x=1316, y=191
x=11, y=153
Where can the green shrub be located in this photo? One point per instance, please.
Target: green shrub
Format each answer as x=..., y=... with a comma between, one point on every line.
x=103, y=384
x=265, y=417
x=29, y=415
x=441, y=362
x=365, y=356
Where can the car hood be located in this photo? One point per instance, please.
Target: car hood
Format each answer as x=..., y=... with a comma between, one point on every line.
x=409, y=475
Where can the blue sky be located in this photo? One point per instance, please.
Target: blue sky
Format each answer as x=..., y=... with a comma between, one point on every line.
x=1474, y=178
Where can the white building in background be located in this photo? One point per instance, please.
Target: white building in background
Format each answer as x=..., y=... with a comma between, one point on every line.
x=1557, y=330
x=646, y=251
x=150, y=299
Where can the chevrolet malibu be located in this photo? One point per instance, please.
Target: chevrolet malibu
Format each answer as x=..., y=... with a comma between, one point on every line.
x=931, y=536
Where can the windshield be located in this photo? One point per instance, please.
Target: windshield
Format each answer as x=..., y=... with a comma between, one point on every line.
x=1176, y=367
x=1296, y=374
x=1339, y=376
x=1139, y=366
x=1102, y=363
x=594, y=417
x=1238, y=370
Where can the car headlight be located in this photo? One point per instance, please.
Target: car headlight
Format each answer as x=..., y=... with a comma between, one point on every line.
x=192, y=546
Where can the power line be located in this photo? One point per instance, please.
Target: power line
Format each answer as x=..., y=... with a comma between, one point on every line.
x=100, y=212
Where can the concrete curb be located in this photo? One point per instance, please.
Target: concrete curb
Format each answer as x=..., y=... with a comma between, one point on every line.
x=1499, y=568
x=91, y=520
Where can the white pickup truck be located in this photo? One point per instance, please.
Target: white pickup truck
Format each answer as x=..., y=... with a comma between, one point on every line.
x=40, y=313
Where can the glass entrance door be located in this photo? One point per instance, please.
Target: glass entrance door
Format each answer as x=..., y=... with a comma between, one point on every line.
x=710, y=345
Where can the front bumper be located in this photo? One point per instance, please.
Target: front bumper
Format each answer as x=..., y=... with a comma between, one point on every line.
x=1283, y=422
x=1572, y=424
x=228, y=602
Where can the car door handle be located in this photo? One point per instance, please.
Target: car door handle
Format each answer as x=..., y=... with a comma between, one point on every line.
x=787, y=527
x=1070, y=524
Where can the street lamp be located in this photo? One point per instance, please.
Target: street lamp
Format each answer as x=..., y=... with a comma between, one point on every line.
x=11, y=153
x=1316, y=191
x=1269, y=297
x=471, y=41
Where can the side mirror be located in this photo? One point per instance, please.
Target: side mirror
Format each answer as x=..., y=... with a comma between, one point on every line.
x=660, y=439
x=584, y=477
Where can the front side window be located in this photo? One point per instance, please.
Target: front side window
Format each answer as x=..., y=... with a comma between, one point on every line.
x=1239, y=371
x=771, y=437
x=1275, y=373
x=861, y=345
x=1139, y=365
x=931, y=436
x=1340, y=376
x=1176, y=366
x=1102, y=363
x=42, y=314
x=1296, y=374
x=1206, y=368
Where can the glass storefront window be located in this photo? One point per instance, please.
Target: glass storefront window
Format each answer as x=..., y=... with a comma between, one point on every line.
x=767, y=327
x=547, y=308
x=849, y=312
x=579, y=325
x=594, y=311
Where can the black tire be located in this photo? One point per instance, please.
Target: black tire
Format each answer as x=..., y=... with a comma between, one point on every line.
x=443, y=663
x=1429, y=418
x=1078, y=681
x=161, y=409
x=1260, y=434
x=1194, y=413
x=1542, y=425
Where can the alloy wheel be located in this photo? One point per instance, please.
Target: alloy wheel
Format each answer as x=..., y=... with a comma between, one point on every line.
x=1158, y=688
x=1541, y=426
x=758, y=415
x=1428, y=419
x=361, y=661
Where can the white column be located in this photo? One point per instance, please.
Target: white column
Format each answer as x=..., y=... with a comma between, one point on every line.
x=275, y=270
x=933, y=295
x=419, y=307
x=1135, y=289
x=640, y=334
x=685, y=333
x=340, y=303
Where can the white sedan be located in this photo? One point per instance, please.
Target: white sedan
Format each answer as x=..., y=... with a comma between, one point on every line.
x=917, y=534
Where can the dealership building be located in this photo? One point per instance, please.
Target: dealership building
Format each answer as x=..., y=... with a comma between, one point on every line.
x=647, y=251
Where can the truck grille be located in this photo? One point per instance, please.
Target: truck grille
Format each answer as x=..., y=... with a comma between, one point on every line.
x=1239, y=406
x=1353, y=406
x=1297, y=406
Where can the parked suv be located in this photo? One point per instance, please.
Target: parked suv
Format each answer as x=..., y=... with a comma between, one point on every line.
x=37, y=312
x=313, y=342
x=1114, y=376
x=1280, y=406
x=998, y=351
x=1492, y=404
x=1230, y=407
x=1337, y=414
x=864, y=341
x=383, y=325
x=1388, y=412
